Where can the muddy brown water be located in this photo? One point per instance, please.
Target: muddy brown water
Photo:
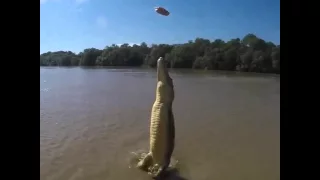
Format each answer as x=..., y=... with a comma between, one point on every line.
x=227, y=124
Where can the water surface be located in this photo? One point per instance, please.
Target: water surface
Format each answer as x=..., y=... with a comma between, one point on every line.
x=227, y=124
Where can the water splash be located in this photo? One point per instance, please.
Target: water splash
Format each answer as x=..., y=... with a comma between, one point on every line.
x=138, y=155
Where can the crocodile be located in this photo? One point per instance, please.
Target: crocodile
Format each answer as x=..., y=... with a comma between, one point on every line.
x=162, y=127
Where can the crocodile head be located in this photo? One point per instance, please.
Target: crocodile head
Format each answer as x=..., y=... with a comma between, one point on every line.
x=165, y=84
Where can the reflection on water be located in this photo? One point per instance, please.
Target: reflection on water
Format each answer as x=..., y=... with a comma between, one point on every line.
x=227, y=123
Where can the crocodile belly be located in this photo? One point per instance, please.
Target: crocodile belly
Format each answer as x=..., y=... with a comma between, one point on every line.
x=159, y=133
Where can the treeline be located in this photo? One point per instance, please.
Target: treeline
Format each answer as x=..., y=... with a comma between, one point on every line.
x=251, y=54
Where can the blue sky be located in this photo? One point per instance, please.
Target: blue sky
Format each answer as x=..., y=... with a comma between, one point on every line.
x=78, y=24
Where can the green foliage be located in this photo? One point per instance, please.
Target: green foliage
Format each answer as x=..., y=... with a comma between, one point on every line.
x=251, y=54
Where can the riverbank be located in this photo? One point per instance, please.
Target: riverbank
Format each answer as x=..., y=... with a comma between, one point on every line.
x=251, y=54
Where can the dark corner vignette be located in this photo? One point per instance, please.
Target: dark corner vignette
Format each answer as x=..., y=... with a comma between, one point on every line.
x=20, y=122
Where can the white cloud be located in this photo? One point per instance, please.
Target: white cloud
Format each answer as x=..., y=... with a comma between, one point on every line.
x=101, y=22
x=130, y=44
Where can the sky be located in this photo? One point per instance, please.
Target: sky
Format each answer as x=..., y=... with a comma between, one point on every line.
x=73, y=25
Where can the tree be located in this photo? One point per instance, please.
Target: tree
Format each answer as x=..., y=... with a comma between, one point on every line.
x=89, y=57
x=251, y=54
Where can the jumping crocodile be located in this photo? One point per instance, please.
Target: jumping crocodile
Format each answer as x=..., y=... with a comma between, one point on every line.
x=162, y=128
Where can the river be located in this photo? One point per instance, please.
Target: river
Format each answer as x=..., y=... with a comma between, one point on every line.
x=227, y=123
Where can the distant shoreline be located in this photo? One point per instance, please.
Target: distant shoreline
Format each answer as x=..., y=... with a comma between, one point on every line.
x=154, y=69
x=251, y=54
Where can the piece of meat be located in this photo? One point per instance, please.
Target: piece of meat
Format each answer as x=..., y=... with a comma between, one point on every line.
x=162, y=11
